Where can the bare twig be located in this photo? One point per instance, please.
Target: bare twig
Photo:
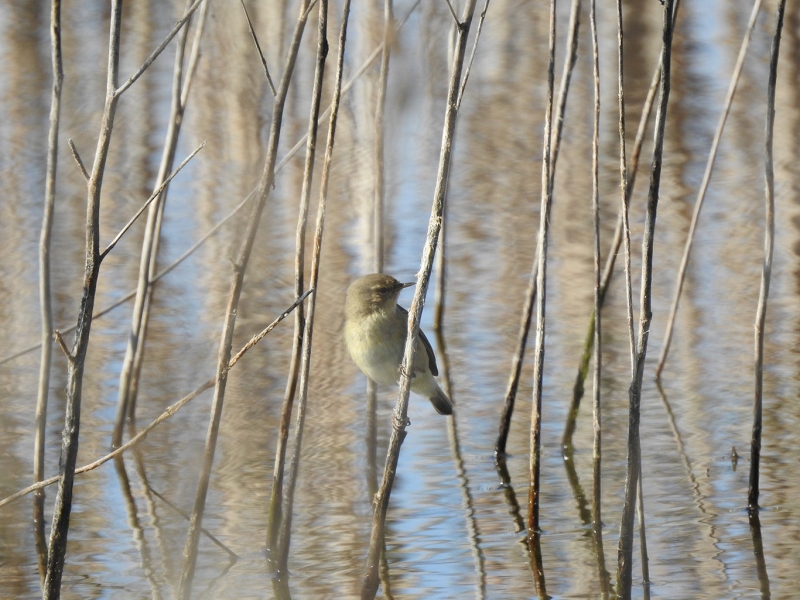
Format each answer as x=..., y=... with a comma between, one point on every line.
x=611, y=258
x=597, y=525
x=78, y=160
x=453, y=12
x=400, y=414
x=563, y=88
x=152, y=197
x=258, y=47
x=377, y=237
x=264, y=189
x=70, y=436
x=624, y=195
x=171, y=410
x=62, y=345
x=154, y=55
x=467, y=71
x=701, y=194
x=625, y=552
x=766, y=271
x=541, y=283
x=148, y=262
x=275, y=516
x=530, y=293
x=285, y=530
x=345, y=88
x=45, y=297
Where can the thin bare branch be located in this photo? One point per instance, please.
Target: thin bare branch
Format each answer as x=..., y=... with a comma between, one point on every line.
x=63, y=345
x=453, y=12
x=226, y=341
x=148, y=259
x=361, y=70
x=72, y=414
x=563, y=88
x=194, y=56
x=541, y=283
x=624, y=195
x=611, y=257
x=701, y=194
x=467, y=71
x=78, y=160
x=171, y=410
x=400, y=414
x=766, y=270
x=625, y=548
x=152, y=197
x=597, y=526
x=258, y=47
x=305, y=366
x=45, y=296
x=530, y=293
x=276, y=500
x=154, y=55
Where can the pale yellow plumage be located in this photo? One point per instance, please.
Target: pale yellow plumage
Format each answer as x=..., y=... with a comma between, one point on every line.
x=375, y=334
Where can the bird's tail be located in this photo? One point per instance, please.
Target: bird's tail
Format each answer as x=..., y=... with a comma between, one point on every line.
x=441, y=402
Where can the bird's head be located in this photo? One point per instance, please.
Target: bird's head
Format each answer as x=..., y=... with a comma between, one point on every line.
x=373, y=293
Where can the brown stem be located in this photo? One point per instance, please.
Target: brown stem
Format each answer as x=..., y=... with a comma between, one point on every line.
x=128, y=381
x=70, y=436
x=226, y=341
x=171, y=410
x=45, y=296
x=766, y=271
x=305, y=366
x=400, y=414
x=276, y=499
x=625, y=551
x=701, y=194
x=541, y=285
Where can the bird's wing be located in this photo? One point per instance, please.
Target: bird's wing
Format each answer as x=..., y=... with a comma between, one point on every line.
x=428, y=348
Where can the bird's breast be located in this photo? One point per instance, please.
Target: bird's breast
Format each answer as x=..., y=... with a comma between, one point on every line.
x=376, y=345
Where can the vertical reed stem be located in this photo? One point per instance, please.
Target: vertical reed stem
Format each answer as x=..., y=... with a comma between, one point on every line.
x=45, y=297
x=286, y=524
x=766, y=271
x=541, y=283
x=625, y=551
x=276, y=494
x=530, y=292
x=400, y=414
x=597, y=525
x=701, y=194
x=224, y=353
x=76, y=361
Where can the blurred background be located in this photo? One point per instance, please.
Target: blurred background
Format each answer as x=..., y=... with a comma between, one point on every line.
x=453, y=530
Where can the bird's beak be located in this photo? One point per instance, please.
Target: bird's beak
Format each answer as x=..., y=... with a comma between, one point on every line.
x=409, y=284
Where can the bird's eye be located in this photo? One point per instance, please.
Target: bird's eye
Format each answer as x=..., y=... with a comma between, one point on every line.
x=383, y=290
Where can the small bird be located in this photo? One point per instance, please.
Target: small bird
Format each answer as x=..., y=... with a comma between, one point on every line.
x=375, y=332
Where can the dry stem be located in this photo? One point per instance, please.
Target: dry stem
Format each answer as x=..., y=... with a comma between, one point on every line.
x=541, y=285
x=226, y=341
x=45, y=297
x=625, y=552
x=171, y=410
x=766, y=271
x=276, y=495
x=701, y=194
x=400, y=414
